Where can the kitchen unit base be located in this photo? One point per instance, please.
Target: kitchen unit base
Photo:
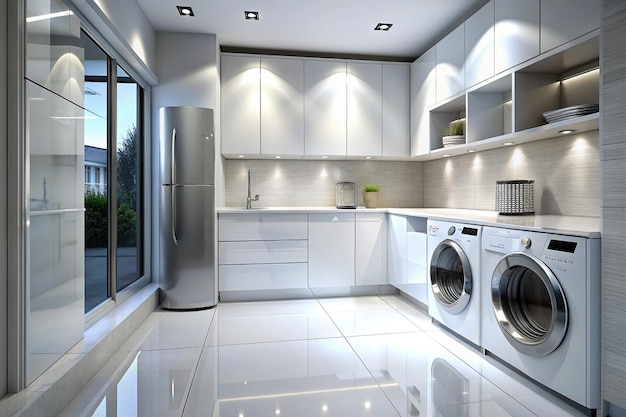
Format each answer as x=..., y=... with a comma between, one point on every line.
x=306, y=293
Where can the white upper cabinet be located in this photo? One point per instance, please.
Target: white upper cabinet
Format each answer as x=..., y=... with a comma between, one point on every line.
x=364, y=109
x=422, y=97
x=325, y=107
x=241, y=105
x=565, y=20
x=396, y=110
x=516, y=32
x=282, y=106
x=450, y=56
x=479, y=46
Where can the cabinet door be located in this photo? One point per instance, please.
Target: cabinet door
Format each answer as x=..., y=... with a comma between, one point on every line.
x=371, y=248
x=479, y=46
x=324, y=108
x=450, y=56
x=416, y=266
x=331, y=250
x=565, y=20
x=364, y=109
x=422, y=97
x=396, y=105
x=396, y=260
x=241, y=105
x=282, y=106
x=516, y=32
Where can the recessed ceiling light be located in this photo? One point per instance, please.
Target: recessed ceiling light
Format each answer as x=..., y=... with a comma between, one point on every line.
x=566, y=131
x=471, y=150
x=241, y=156
x=383, y=26
x=508, y=143
x=324, y=157
x=446, y=155
x=250, y=15
x=368, y=157
x=185, y=10
x=277, y=157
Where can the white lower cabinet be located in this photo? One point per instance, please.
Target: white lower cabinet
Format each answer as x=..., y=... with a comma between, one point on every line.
x=396, y=272
x=407, y=256
x=331, y=250
x=263, y=276
x=262, y=251
x=371, y=248
x=274, y=251
x=417, y=266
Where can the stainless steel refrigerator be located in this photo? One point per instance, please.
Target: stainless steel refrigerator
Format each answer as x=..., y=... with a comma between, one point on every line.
x=187, y=208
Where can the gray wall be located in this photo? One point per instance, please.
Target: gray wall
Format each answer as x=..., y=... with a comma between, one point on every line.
x=312, y=183
x=613, y=61
x=566, y=171
x=3, y=200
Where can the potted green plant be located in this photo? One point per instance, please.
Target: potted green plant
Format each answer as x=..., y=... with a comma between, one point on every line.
x=454, y=134
x=370, y=195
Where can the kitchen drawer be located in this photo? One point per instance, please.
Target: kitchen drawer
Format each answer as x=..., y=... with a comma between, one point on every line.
x=262, y=277
x=263, y=252
x=262, y=226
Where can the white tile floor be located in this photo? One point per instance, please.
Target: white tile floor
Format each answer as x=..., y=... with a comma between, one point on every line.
x=365, y=356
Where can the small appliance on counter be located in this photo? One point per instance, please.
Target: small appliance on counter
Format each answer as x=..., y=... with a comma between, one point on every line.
x=346, y=195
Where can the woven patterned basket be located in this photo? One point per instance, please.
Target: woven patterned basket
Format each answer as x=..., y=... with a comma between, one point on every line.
x=515, y=197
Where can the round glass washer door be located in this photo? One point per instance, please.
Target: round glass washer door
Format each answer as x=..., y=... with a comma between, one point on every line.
x=529, y=304
x=451, y=277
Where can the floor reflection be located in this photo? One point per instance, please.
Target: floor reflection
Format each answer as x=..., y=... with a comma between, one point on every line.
x=216, y=363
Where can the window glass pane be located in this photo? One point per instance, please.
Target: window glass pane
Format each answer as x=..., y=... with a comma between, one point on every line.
x=129, y=182
x=96, y=202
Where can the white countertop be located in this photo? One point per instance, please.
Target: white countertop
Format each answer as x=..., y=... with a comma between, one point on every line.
x=588, y=227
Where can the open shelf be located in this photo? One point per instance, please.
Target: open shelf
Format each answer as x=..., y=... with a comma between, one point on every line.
x=508, y=108
x=546, y=131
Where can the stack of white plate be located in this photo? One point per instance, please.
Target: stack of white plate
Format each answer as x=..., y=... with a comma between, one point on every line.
x=570, y=112
x=453, y=140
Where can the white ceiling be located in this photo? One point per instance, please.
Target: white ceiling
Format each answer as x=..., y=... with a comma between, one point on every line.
x=320, y=27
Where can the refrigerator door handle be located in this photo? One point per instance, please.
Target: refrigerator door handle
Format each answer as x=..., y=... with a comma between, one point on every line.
x=173, y=211
x=173, y=208
x=173, y=167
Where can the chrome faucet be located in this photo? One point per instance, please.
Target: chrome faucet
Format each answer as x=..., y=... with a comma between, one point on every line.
x=249, y=200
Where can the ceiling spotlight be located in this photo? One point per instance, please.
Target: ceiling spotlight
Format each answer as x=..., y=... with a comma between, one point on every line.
x=566, y=131
x=446, y=155
x=185, y=10
x=249, y=15
x=383, y=26
x=508, y=143
x=471, y=150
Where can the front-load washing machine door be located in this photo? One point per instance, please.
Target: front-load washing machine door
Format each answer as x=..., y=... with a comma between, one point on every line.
x=529, y=304
x=450, y=277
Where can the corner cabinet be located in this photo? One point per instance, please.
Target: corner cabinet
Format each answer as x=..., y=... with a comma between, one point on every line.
x=521, y=59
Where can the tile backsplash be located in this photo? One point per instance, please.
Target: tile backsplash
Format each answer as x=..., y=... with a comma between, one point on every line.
x=302, y=183
x=566, y=171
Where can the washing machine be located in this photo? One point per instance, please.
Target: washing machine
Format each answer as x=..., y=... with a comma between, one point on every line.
x=541, y=308
x=454, y=274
